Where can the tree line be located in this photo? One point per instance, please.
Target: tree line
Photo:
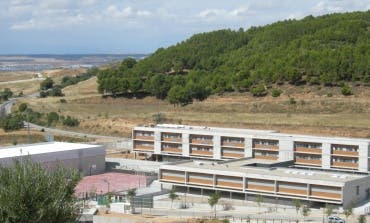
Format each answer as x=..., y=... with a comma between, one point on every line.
x=329, y=50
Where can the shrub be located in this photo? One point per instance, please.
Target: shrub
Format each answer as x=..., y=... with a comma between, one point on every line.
x=259, y=90
x=346, y=90
x=275, y=93
x=63, y=101
x=69, y=121
x=22, y=107
x=292, y=101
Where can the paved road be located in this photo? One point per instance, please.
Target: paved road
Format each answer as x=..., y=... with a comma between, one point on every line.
x=6, y=107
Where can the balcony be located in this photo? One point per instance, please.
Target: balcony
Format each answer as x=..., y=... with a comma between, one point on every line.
x=170, y=139
x=200, y=181
x=346, y=165
x=344, y=153
x=201, y=153
x=233, y=144
x=172, y=150
x=149, y=138
x=298, y=192
x=266, y=147
x=327, y=195
x=232, y=155
x=261, y=188
x=266, y=157
x=308, y=162
x=146, y=148
x=229, y=184
x=173, y=179
x=201, y=141
x=308, y=150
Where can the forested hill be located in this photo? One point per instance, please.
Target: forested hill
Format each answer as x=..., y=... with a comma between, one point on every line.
x=328, y=50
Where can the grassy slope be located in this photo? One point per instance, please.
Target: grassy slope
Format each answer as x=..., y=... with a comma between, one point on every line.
x=313, y=113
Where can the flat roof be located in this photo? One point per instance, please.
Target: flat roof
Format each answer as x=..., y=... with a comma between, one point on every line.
x=40, y=148
x=252, y=132
x=241, y=168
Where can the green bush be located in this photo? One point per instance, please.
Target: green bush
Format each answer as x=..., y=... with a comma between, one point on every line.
x=346, y=90
x=275, y=93
x=22, y=107
x=259, y=90
x=292, y=101
x=72, y=122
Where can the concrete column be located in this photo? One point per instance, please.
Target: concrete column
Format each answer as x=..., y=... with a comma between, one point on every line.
x=186, y=178
x=363, y=161
x=216, y=147
x=244, y=181
x=214, y=180
x=157, y=142
x=326, y=155
x=276, y=187
x=248, y=145
x=286, y=149
x=185, y=144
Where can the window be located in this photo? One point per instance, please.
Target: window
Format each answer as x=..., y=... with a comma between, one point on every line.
x=357, y=190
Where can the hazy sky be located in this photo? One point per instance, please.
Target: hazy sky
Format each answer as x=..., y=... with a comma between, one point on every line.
x=139, y=26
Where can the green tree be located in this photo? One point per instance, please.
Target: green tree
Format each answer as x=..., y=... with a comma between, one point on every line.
x=6, y=94
x=259, y=200
x=348, y=211
x=213, y=200
x=361, y=219
x=178, y=95
x=31, y=194
x=130, y=196
x=52, y=118
x=46, y=84
x=22, y=107
x=297, y=204
x=305, y=211
x=328, y=210
x=172, y=196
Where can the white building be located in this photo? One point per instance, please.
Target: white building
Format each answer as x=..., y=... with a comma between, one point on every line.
x=335, y=153
x=88, y=159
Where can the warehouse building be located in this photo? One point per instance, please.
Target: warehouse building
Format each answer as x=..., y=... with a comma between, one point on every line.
x=248, y=176
x=304, y=151
x=88, y=159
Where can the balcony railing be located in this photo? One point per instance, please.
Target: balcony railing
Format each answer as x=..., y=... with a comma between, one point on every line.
x=308, y=150
x=144, y=137
x=266, y=147
x=308, y=162
x=229, y=184
x=169, y=139
x=260, y=188
x=140, y=147
x=347, y=165
x=173, y=178
x=345, y=153
x=232, y=155
x=298, y=192
x=233, y=144
x=266, y=157
x=171, y=150
x=328, y=195
x=201, y=141
x=201, y=153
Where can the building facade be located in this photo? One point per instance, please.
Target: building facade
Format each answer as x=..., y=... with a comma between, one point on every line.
x=87, y=159
x=243, y=177
x=344, y=154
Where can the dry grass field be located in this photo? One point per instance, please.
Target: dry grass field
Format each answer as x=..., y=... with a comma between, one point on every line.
x=20, y=137
x=317, y=111
x=15, y=76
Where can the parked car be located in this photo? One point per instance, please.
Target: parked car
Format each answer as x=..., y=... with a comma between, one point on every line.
x=335, y=219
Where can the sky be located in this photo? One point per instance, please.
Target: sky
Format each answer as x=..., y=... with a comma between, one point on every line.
x=139, y=26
